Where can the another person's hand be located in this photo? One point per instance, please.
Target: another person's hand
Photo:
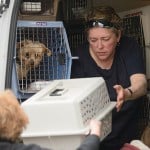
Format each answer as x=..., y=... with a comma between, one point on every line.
x=95, y=127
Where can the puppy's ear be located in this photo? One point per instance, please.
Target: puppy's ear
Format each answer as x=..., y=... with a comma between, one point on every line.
x=48, y=52
x=19, y=44
x=23, y=43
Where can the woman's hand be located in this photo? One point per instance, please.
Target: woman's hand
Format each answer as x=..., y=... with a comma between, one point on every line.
x=137, y=88
x=120, y=96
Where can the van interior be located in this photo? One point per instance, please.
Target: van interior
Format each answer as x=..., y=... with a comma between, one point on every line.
x=56, y=27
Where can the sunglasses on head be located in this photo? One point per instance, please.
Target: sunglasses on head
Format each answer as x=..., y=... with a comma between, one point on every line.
x=100, y=23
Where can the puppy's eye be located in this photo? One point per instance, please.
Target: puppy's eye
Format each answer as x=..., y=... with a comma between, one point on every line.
x=27, y=55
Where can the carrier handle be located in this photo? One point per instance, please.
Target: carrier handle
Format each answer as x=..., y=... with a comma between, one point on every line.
x=58, y=92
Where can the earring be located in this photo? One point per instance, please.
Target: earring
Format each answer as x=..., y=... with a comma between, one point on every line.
x=118, y=43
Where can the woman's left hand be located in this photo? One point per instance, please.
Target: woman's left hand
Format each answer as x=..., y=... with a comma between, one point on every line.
x=120, y=96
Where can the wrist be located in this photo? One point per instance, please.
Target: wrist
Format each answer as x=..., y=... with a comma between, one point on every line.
x=95, y=132
x=128, y=93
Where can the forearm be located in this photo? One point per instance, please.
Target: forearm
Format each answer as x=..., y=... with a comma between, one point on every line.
x=137, y=88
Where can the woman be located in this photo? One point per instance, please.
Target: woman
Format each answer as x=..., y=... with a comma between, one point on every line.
x=118, y=59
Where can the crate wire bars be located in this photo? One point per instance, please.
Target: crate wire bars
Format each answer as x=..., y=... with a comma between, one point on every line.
x=57, y=66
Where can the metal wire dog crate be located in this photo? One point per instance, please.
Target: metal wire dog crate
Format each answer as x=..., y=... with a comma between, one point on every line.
x=32, y=9
x=76, y=9
x=57, y=65
x=69, y=105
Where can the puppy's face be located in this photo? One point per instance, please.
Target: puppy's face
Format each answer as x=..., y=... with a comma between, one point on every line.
x=31, y=53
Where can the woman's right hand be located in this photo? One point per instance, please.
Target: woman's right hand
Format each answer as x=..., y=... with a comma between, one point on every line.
x=120, y=96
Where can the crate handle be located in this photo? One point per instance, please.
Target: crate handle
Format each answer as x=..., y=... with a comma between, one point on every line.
x=58, y=92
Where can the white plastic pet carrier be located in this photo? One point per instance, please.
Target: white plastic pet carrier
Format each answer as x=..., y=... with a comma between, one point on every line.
x=59, y=114
x=42, y=55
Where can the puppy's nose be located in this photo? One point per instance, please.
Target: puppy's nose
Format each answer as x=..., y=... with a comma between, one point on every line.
x=32, y=62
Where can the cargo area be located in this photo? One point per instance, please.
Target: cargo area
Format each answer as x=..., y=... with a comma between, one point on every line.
x=38, y=43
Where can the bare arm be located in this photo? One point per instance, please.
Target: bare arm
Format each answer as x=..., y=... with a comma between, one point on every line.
x=138, y=88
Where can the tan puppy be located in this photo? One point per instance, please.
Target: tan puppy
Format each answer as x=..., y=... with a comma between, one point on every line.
x=12, y=117
x=30, y=55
